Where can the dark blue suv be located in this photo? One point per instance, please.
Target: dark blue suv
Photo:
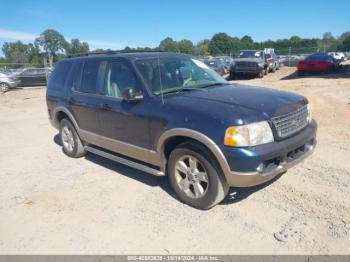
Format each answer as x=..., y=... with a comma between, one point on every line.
x=170, y=114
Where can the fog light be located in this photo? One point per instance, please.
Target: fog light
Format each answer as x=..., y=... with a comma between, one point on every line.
x=260, y=167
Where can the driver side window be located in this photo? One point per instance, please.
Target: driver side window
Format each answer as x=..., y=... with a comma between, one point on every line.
x=119, y=77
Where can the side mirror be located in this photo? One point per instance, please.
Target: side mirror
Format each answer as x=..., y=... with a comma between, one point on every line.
x=132, y=96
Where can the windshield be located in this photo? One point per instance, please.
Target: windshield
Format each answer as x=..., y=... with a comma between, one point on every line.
x=250, y=54
x=165, y=75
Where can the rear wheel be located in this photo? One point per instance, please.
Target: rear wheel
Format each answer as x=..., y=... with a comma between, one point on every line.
x=4, y=87
x=194, y=176
x=72, y=145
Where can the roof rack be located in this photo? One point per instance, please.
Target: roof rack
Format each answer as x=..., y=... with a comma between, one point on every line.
x=112, y=52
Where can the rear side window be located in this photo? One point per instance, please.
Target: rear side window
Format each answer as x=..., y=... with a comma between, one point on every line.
x=59, y=75
x=89, y=76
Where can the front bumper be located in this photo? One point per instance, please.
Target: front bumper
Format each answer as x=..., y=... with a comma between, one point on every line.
x=255, y=165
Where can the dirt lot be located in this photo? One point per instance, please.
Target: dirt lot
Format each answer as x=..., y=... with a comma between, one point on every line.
x=52, y=204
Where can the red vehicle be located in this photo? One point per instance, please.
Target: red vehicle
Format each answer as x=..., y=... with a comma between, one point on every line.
x=319, y=62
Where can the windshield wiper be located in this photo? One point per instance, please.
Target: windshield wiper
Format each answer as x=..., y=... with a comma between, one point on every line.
x=176, y=90
x=213, y=84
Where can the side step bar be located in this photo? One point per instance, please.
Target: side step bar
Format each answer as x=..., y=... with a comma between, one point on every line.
x=124, y=161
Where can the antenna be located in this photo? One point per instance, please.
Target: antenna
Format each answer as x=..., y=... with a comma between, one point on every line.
x=160, y=80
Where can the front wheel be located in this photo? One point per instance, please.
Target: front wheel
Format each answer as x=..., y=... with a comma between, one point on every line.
x=194, y=176
x=4, y=87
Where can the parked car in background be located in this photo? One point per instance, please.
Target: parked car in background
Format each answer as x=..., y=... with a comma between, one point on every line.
x=7, y=82
x=250, y=62
x=227, y=61
x=272, y=61
x=14, y=72
x=170, y=114
x=338, y=55
x=217, y=65
x=34, y=76
x=318, y=62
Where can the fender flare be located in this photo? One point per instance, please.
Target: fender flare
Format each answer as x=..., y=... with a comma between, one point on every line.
x=200, y=137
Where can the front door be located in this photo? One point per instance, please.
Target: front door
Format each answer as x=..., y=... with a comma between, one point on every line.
x=124, y=125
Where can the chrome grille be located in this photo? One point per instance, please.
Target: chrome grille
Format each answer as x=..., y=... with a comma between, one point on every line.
x=292, y=122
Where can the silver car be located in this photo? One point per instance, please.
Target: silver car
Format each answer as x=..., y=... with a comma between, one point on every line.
x=7, y=82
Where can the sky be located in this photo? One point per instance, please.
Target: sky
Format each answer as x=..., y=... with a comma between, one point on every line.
x=115, y=24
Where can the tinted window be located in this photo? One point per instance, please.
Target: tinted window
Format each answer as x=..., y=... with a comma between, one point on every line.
x=89, y=76
x=119, y=78
x=75, y=78
x=58, y=76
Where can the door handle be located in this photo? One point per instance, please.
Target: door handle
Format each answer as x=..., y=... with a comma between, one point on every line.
x=106, y=106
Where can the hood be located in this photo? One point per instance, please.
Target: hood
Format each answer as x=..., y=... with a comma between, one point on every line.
x=265, y=101
x=257, y=60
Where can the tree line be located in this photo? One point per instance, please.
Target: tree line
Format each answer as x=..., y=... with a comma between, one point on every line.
x=51, y=46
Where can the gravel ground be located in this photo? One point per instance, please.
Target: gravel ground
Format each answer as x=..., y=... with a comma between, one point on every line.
x=52, y=204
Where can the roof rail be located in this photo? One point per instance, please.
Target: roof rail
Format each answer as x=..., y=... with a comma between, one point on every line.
x=111, y=52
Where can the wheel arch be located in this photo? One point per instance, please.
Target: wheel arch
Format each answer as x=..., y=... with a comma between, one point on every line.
x=62, y=112
x=173, y=137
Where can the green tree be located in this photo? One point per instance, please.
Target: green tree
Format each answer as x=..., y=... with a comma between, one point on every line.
x=168, y=45
x=52, y=42
x=247, y=40
x=16, y=52
x=221, y=43
x=346, y=44
x=185, y=46
x=202, y=48
x=76, y=47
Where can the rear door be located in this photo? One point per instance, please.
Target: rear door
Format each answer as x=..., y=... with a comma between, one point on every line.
x=85, y=97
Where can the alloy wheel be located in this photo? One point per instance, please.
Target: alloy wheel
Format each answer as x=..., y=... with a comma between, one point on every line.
x=67, y=138
x=191, y=176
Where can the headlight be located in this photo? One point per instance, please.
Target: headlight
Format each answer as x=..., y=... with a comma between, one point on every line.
x=261, y=64
x=248, y=135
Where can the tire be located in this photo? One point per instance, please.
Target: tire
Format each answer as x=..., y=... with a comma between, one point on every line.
x=273, y=69
x=71, y=143
x=266, y=71
x=261, y=74
x=4, y=87
x=202, y=189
